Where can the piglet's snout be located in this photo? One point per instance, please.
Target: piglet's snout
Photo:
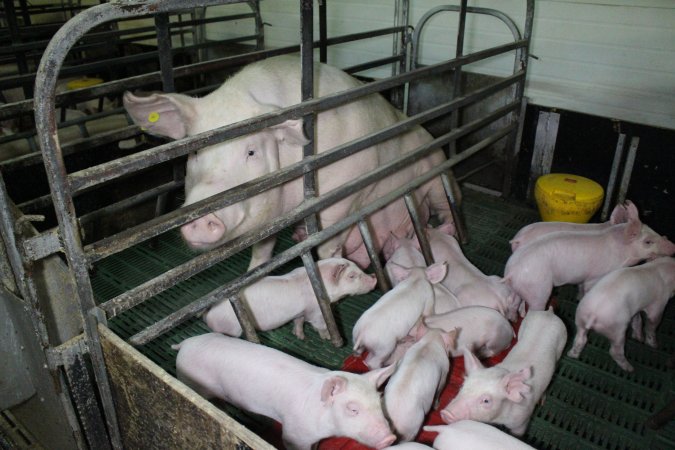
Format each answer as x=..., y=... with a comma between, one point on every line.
x=386, y=442
x=204, y=231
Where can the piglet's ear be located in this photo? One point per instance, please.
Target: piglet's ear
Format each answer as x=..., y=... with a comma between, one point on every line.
x=379, y=376
x=167, y=115
x=619, y=214
x=471, y=363
x=399, y=272
x=450, y=339
x=290, y=132
x=514, y=384
x=331, y=388
x=338, y=271
x=632, y=230
x=436, y=272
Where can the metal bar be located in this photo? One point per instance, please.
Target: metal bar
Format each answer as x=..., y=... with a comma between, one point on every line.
x=611, y=184
x=512, y=158
x=122, y=166
x=307, y=94
x=411, y=204
x=164, y=51
x=323, y=32
x=186, y=214
x=322, y=297
x=203, y=261
x=457, y=75
x=244, y=318
x=374, y=257
x=457, y=217
x=198, y=305
x=628, y=169
x=544, y=147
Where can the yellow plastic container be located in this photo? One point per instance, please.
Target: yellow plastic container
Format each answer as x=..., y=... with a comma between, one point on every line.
x=564, y=197
x=83, y=82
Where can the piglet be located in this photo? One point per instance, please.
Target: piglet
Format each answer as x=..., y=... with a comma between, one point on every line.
x=409, y=446
x=392, y=317
x=469, y=434
x=567, y=257
x=480, y=329
x=506, y=394
x=311, y=402
x=405, y=252
x=471, y=286
x=276, y=300
x=621, y=296
x=418, y=380
x=535, y=230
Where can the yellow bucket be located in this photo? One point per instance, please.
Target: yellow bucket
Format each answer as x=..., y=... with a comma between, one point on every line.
x=83, y=82
x=564, y=197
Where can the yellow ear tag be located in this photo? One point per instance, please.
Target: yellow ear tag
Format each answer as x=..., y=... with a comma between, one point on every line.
x=153, y=117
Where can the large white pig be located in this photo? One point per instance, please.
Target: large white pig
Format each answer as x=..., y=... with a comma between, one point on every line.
x=618, y=298
x=276, y=300
x=391, y=318
x=480, y=329
x=567, y=257
x=471, y=286
x=418, y=381
x=469, y=434
x=535, y=230
x=507, y=393
x=267, y=86
x=311, y=402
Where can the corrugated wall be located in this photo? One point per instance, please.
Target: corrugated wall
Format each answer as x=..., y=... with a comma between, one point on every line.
x=613, y=59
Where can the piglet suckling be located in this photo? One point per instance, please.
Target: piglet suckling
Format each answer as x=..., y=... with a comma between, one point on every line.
x=471, y=286
x=567, y=257
x=482, y=330
x=276, y=300
x=535, y=230
x=418, y=380
x=392, y=317
x=618, y=298
x=405, y=252
x=310, y=402
x=469, y=434
x=507, y=393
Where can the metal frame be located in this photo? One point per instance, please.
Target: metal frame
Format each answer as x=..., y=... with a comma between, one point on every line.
x=66, y=186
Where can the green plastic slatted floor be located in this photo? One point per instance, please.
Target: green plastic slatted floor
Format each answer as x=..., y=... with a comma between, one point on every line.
x=590, y=404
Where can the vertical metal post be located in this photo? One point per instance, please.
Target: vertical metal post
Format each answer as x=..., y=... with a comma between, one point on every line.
x=609, y=192
x=323, y=31
x=259, y=26
x=411, y=204
x=374, y=257
x=457, y=76
x=628, y=169
x=246, y=323
x=307, y=93
x=322, y=297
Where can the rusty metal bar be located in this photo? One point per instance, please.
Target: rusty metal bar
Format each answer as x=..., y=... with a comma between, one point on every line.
x=244, y=317
x=322, y=297
x=217, y=295
x=367, y=237
x=628, y=169
x=616, y=162
x=411, y=204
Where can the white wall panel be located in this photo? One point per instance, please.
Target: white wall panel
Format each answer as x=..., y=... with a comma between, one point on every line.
x=612, y=59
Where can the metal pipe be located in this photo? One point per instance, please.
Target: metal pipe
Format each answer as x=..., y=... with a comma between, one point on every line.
x=411, y=204
x=609, y=194
x=367, y=237
x=323, y=299
x=628, y=169
x=244, y=318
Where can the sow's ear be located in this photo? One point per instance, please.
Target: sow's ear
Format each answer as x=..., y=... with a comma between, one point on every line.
x=290, y=132
x=161, y=114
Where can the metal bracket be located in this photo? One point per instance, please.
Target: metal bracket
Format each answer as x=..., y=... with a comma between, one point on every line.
x=42, y=245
